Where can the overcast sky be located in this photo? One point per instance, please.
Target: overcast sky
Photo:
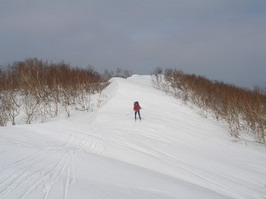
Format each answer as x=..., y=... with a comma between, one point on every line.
x=221, y=39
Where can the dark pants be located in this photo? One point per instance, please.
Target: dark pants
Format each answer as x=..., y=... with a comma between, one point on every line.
x=137, y=112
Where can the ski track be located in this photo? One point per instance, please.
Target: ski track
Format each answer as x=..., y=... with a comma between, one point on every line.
x=44, y=161
x=32, y=171
x=172, y=161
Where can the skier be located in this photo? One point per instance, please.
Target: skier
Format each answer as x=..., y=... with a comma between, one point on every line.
x=137, y=108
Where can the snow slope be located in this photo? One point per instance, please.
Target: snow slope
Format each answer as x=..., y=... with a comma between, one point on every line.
x=172, y=153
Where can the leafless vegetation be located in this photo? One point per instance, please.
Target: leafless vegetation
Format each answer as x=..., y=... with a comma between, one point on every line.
x=40, y=90
x=119, y=72
x=244, y=110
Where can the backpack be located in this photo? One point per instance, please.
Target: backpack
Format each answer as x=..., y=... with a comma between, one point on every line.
x=136, y=103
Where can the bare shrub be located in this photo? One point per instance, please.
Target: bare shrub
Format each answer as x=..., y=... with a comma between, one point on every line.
x=45, y=89
x=30, y=105
x=122, y=73
x=242, y=109
x=158, y=78
x=3, y=112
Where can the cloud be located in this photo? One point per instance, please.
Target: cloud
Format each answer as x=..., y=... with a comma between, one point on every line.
x=200, y=36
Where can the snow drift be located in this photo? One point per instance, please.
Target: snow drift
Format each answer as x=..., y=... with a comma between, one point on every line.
x=172, y=153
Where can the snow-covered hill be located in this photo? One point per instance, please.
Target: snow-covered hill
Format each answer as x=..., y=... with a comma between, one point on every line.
x=172, y=153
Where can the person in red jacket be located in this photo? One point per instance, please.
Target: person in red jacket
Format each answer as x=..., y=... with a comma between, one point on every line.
x=137, y=108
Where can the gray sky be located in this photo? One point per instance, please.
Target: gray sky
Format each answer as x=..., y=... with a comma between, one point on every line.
x=221, y=39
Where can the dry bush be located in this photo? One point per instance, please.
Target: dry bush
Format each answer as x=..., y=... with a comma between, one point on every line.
x=242, y=109
x=158, y=79
x=122, y=73
x=45, y=89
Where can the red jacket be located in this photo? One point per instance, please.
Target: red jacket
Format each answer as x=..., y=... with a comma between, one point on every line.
x=136, y=107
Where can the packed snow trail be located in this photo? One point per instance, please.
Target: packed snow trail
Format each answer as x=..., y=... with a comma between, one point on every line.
x=172, y=153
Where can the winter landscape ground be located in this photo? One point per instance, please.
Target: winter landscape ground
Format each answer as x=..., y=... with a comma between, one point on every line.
x=173, y=152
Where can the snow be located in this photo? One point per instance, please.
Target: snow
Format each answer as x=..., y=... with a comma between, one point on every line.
x=172, y=153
